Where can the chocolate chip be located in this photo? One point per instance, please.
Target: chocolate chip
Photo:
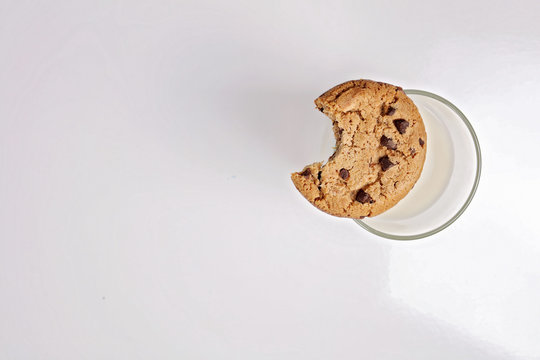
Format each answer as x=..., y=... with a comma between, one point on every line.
x=363, y=197
x=319, y=176
x=401, y=125
x=385, y=163
x=344, y=174
x=388, y=142
x=321, y=109
x=421, y=142
x=387, y=110
x=306, y=172
x=361, y=217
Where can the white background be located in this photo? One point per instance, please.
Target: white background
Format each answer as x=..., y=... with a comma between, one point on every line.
x=146, y=210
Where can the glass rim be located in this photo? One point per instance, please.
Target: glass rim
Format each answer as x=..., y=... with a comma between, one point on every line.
x=474, y=187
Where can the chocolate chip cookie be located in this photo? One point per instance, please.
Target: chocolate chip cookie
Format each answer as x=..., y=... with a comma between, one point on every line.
x=380, y=150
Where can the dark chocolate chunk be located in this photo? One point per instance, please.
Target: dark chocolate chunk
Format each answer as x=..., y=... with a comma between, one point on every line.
x=387, y=110
x=363, y=197
x=344, y=174
x=421, y=142
x=401, y=125
x=385, y=163
x=388, y=142
x=306, y=172
x=321, y=109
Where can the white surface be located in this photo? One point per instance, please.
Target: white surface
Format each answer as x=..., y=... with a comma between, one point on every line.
x=146, y=209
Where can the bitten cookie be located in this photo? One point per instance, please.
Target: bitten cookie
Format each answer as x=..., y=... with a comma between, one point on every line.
x=380, y=150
